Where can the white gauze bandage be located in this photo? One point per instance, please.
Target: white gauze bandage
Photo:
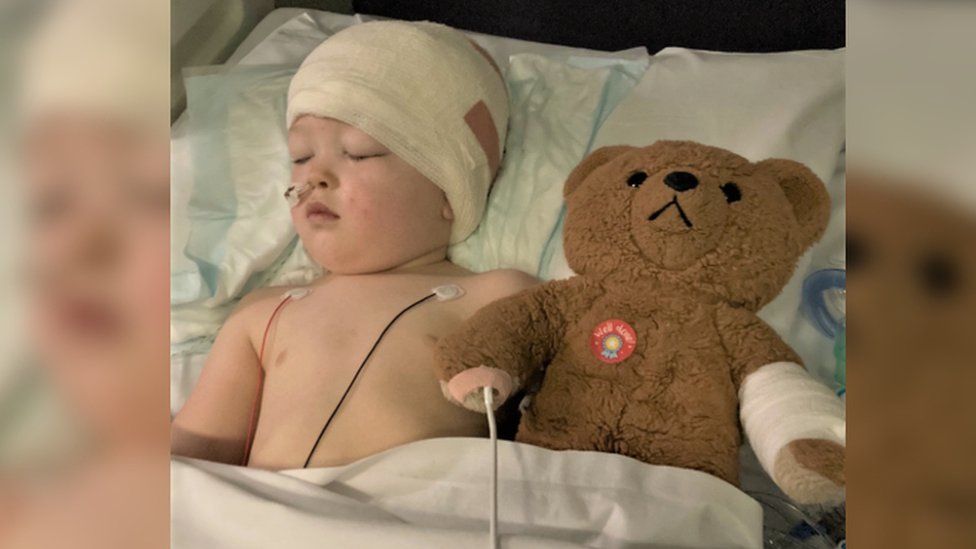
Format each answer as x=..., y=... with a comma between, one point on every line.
x=780, y=403
x=423, y=90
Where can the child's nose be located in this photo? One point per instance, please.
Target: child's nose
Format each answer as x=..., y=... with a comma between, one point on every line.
x=323, y=178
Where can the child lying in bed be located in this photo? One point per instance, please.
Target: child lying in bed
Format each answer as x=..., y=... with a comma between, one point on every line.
x=395, y=133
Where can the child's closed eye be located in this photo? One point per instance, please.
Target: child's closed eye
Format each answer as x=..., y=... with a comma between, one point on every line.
x=359, y=158
x=350, y=156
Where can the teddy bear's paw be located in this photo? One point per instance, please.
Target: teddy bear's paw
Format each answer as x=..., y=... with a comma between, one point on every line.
x=811, y=471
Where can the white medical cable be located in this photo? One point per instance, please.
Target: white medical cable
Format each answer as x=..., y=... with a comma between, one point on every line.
x=493, y=435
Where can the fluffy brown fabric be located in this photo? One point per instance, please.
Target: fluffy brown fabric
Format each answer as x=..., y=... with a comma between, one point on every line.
x=812, y=469
x=686, y=260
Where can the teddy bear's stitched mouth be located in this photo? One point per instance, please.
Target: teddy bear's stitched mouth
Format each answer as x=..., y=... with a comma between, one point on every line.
x=674, y=202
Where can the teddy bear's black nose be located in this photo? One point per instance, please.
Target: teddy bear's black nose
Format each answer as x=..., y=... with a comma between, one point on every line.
x=681, y=181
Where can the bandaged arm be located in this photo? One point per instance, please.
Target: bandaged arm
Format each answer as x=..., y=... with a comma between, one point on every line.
x=779, y=401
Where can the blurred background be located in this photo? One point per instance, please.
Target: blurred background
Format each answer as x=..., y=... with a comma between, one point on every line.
x=911, y=257
x=83, y=378
x=86, y=99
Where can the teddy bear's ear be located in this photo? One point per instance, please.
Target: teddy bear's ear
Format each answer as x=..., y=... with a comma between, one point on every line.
x=806, y=192
x=596, y=159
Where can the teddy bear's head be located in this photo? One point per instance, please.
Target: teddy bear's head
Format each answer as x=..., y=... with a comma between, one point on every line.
x=692, y=215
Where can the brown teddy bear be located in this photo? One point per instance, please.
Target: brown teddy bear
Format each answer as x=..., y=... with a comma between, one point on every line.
x=655, y=351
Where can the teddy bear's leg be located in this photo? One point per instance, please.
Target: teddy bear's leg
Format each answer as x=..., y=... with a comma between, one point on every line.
x=576, y=412
x=677, y=430
x=568, y=434
x=566, y=411
x=542, y=425
x=546, y=435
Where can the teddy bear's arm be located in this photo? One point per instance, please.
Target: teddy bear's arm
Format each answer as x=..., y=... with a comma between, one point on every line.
x=750, y=342
x=794, y=423
x=503, y=343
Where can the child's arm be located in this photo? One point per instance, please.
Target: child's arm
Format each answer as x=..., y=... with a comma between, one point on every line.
x=214, y=422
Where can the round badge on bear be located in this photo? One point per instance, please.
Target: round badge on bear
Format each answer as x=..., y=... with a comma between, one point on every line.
x=613, y=340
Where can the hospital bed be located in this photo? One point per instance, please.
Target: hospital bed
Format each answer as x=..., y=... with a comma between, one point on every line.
x=600, y=89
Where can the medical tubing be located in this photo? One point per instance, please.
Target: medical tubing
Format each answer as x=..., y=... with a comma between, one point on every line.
x=493, y=497
x=252, y=423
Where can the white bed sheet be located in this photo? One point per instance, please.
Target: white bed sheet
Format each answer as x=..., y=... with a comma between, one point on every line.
x=434, y=493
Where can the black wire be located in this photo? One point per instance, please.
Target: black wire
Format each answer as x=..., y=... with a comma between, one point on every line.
x=359, y=371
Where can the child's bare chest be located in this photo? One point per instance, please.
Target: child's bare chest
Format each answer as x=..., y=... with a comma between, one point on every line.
x=329, y=333
x=372, y=339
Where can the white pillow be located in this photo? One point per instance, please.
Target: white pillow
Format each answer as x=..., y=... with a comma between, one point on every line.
x=556, y=108
x=786, y=105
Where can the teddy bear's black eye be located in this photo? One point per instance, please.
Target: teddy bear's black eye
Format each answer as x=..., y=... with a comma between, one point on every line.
x=732, y=192
x=636, y=179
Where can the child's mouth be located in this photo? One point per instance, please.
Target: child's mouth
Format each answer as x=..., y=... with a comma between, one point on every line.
x=319, y=212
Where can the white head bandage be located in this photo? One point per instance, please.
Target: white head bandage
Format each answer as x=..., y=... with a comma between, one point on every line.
x=423, y=90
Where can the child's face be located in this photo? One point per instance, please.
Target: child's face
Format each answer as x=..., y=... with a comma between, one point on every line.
x=365, y=210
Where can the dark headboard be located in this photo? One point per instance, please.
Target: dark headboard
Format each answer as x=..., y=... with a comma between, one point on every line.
x=721, y=25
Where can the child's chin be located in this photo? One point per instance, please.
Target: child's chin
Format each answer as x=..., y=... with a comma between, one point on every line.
x=346, y=264
x=356, y=264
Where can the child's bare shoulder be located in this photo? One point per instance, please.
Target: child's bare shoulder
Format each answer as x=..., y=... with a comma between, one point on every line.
x=256, y=308
x=262, y=298
x=493, y=285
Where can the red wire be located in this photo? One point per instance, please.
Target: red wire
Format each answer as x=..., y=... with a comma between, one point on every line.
x=252, y=424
